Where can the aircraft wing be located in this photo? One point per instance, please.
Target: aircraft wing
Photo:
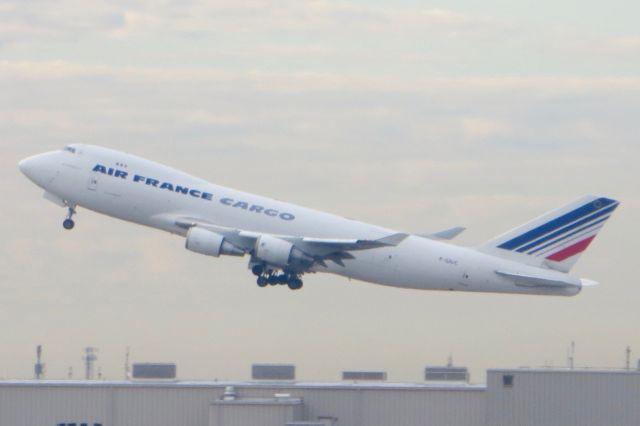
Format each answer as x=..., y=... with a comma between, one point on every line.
x=331, y=244
x=334, y=249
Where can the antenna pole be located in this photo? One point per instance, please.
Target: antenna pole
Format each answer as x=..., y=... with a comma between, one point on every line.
x=127, y=369
x=89, y=358
x=571, y=355
x=628, y=358
x=39, y=366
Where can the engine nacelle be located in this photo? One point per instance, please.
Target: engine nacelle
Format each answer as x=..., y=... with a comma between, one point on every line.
x=278, y=252
x=210, y=243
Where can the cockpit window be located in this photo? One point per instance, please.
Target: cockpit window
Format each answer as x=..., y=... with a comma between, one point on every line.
x=70, y=149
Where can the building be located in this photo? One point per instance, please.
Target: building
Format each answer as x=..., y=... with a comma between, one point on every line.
x=519, y=397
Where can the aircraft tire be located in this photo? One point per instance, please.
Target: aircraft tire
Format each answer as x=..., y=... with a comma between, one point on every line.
x=295, y=284
x=262, y=281
x=68, y=224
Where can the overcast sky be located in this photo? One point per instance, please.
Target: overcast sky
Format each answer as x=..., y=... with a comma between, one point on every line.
x=413, y=115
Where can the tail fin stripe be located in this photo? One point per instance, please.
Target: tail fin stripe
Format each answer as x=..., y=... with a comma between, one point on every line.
x=553, y=225
x=581, y=235
x=566, y=253
x=571, y=226
x=539, y=246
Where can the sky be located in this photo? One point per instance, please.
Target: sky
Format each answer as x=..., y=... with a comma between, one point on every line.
x=417, y=116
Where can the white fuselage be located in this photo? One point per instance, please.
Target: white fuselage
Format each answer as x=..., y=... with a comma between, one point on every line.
x=151, y=194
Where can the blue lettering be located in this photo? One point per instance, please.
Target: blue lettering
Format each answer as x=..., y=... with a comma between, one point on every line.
x=287, y=216
x=256, y=209
x=110, y=172
x=166, y=185
x=138, y=178
x=241, y=204
x=194, y=193
x=121, y=174
x=100, y=168
x=182, y=189
x=152, y=182
x=207, y=196
x=271, y=212
x=226, y=201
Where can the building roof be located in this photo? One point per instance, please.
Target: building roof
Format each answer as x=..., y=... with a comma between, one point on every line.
x=243, y=384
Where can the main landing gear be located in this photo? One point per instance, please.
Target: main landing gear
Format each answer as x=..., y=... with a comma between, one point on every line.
x=68, y=223
x=266, y=278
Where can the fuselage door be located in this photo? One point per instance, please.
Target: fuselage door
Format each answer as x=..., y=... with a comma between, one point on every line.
x=93, y=182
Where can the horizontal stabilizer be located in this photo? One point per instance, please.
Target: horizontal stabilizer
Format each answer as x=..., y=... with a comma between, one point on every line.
x=588, y=283
x=526, y=280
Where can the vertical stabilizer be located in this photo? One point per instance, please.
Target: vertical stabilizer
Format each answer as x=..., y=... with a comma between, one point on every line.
x=556, y=239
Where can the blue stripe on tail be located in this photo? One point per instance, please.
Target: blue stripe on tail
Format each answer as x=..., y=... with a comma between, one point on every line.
x=557, y=223
x=567, y=228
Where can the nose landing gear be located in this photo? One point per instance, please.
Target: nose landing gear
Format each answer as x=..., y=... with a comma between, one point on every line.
x=68, y=223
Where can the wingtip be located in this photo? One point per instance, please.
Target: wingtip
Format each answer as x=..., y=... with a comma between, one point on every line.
x=393, y=239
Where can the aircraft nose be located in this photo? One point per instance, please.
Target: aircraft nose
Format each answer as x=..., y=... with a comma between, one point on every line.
x=39, y=169
x=27, y=166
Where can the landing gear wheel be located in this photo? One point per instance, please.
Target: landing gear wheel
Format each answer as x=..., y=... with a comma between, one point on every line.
x=68, y=222
x=295, y=284
x=257, y=270
x=262, y=281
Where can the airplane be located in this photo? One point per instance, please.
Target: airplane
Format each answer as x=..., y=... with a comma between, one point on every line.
x=285, y=241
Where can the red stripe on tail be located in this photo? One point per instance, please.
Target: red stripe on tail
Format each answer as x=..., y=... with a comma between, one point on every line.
x=572, y=250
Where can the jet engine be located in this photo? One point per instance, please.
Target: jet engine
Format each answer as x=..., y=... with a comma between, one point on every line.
x=210, y=243
x=277, y=252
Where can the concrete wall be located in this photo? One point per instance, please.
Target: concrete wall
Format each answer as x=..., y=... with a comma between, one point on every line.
x=535, y=398
x=123, y=404
x=362, y=405
x=109, y=405
x=563, y=398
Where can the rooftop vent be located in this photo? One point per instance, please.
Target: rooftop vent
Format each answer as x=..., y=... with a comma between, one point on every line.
x=273, y=372
x=446, y=374
x=149, y=370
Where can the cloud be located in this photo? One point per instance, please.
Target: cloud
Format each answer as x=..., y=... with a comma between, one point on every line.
x=56, y=20
x=632, y=41
x=317, y=81
x=72, y=19
x=481, y=128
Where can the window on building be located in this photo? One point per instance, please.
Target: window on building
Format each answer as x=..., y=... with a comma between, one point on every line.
x=507, y=380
